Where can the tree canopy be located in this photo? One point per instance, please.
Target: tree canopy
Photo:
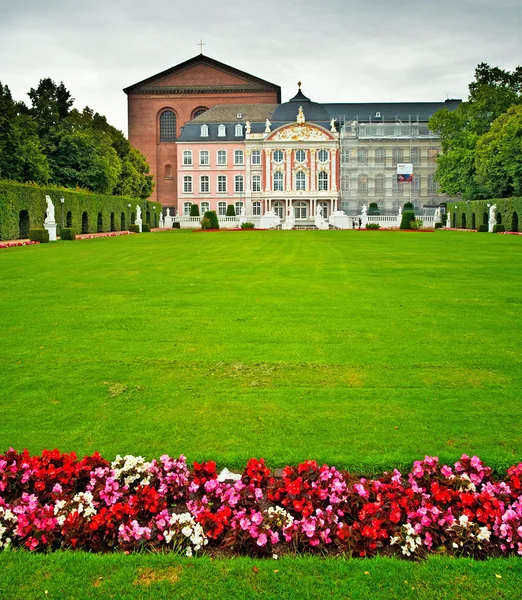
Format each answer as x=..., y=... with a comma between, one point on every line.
x=470, y=132
x=52, y=142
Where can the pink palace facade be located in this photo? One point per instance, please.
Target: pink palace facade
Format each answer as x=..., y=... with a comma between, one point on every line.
x=260, y=158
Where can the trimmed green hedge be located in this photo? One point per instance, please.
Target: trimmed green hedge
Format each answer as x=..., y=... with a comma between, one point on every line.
x=23, y=206
x=67, y=233
x=145, y=228
x=509, y=211
x=134, y=228
x=39, y=235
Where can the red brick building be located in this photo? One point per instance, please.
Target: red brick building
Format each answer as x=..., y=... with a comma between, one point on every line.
x=176, y=96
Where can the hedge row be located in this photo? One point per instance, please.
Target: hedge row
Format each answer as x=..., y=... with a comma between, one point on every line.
x=23, y=206
x=474, y=213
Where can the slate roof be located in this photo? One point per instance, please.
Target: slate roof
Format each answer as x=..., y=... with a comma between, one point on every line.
x=389, y=110
x=251, y=82
x=227, y=113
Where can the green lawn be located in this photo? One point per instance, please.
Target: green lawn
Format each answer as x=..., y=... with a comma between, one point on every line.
x=363, y=349
x=66, y=575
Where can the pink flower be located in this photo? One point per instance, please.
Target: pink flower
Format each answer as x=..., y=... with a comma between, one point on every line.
x=262, y=540
x=446, y=471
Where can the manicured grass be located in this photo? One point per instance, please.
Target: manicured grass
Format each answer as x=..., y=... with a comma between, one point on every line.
x=366, y=350
x=65, y=575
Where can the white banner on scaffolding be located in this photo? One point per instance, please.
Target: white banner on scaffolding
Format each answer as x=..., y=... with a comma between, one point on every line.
x=404, y=172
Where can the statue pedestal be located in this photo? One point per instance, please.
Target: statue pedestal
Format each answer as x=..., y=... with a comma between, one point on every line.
x=288, y=223
x=320, y=223
x=168, y=221
x=364, y=219
x=491, y=224
x=269, y=221
x=340, y=220
x=51, y=228
x=139, y=223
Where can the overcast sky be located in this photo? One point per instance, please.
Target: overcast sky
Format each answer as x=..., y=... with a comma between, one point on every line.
x=342, y=50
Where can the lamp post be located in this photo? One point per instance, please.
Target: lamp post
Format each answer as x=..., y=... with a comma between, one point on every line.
x=62, y=201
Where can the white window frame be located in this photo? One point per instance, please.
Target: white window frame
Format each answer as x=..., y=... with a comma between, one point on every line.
x=238, y=206
x=256, y=209
x=222, y=130
x=279, y=209
x=204, y=131
x=323, y=182
x=204, y=181
x=187, y=184
x=239, y=184
x=222, y=184
x=278, y=185
x=323, y=155
x=221, y=158
x=186, y=209
x=300, y=181
x=187, y=158
x=278, y=153
x=205, y=207
x=256, y=183
x=255, y=159
x=302, y=153
x=239, y=130
x=222, y=209
x=204, y=163
x=239, y=157
x=300, y=210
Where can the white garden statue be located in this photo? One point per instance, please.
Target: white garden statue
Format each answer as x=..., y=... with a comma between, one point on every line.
x=364, y=210
x=333, y=128
x=248, y=127
x=267, y=126
x=49, y=218
x=492, y=217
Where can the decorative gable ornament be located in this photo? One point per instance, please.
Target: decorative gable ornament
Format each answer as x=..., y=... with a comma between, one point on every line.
x=300, y=133
x=300, y=115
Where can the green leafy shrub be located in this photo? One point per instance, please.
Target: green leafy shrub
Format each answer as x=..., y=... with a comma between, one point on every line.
x=499, y=228
x=247, y=225
x=205, y=223
x=67, y=233
x=145, y=228
x=483, y=228
x=176, y=225
x=373, y=209
x=39, y=235
x=231, y=211
x=194, y=210
x=134, y=228
x=408, y=206
x=407, y=218
x=373, y=226
x=214, y=221
x=438, y=225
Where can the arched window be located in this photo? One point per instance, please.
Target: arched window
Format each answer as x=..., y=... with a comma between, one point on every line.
x=279, y=209
x=379, y=184
x=204, y=131
x=300, y=210
x=322, y=156
x=278, y=156
x=380, y=155
x=362, y=184
x=397, y=155
x=222, y=184
x=238, y=184
x=239, y=157
x=204, y=158
x=300, y=156
x=199, y=111
x=222, y=130
x=204, y=184
x=300, y=181
x=205, y=207
x=187, y=184
x=362, y=156
x=256, y=209
x=187, y=157
x=323, y=181
x=239, y=130
x=186, y=208
x=167, y=126
x=238, y=206
x=278, y=182
x=168, y=171
x=222, y=209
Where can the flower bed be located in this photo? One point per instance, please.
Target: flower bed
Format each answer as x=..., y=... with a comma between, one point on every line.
x=17, y=243
x=56, y=501
x=91, y=236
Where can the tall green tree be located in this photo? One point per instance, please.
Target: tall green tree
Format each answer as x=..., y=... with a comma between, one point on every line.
x=491, y=94
x=499, y=155
x=22, y=156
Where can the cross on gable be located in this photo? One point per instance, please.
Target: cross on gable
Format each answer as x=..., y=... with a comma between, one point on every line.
x=200, y=44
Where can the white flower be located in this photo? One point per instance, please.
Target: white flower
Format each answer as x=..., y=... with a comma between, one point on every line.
x=463, y=520
x=455, y=545
x=484, y=534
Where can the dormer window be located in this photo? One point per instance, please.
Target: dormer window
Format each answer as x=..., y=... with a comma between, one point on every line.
x=204, y=131
x=239, y=130
x=377, y=115
x=222, y=130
